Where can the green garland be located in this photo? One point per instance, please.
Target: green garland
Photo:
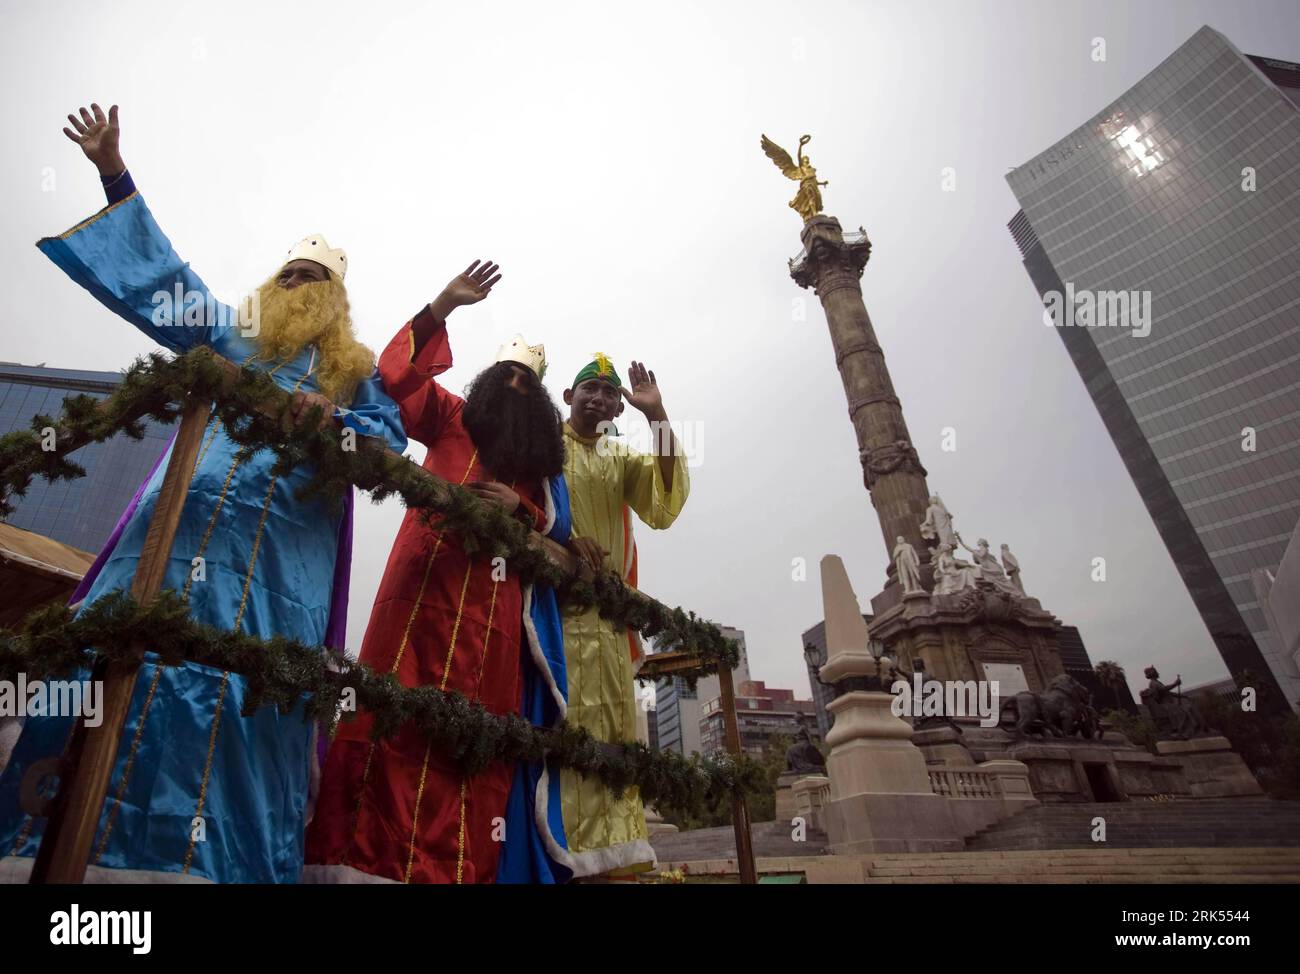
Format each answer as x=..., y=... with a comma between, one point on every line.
x=285, y=673
x=255, y=414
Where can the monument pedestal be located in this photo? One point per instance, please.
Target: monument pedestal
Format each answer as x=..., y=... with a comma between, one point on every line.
x=1212, y=767
x=943, y=746
x=880, y=795
x=785, y=807
x=655, y=824
x=810, y=795
x=1109, y=768
x=978, y=634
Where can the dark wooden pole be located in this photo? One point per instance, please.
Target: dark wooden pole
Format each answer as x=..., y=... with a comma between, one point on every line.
x=739, y=810
x=83, y=785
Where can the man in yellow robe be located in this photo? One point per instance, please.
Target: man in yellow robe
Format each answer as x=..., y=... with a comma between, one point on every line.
x=607, y=835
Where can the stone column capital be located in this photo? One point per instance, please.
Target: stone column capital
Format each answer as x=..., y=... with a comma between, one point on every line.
x=830, y=260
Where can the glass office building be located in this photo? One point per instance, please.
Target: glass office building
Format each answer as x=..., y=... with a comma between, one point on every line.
x=1185, y=193
x=79, y=512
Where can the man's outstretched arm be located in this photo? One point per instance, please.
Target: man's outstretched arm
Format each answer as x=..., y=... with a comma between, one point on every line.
x=469, y=287
x=421, y=351
x=123, y=258
x=655, y=485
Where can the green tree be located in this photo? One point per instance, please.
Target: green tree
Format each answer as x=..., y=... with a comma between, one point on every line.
x=1111, y=675
x=1269, y=743
x=1138, y=728
x=762, y=806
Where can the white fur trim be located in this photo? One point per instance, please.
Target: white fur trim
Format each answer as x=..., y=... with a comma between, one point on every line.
x=534, y=642
x=339, y=875
x=593, y=862
x=639, y=659
x=535, y=646
x=18, y=869
x=548, y=505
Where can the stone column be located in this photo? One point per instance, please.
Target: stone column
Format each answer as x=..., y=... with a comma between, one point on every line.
x=892, y=471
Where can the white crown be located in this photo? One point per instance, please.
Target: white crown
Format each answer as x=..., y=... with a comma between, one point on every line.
x=518, y=350
x=315, y=248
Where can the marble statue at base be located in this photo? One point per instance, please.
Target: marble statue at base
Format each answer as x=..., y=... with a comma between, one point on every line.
x=908, y=566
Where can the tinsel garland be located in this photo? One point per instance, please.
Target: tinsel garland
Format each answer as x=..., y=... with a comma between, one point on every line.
x=53, y=641
x=254, y=412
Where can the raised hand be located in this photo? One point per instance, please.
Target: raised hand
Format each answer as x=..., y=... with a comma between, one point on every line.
x=98, y=137
x=469, y=287
x=645, y=391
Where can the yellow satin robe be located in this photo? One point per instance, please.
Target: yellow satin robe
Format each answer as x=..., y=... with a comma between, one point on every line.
x=608, y=835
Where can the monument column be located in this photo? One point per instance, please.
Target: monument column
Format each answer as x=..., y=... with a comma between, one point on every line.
x=832, y=265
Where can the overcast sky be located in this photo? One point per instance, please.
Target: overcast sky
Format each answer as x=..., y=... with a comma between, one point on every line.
x=609, y=159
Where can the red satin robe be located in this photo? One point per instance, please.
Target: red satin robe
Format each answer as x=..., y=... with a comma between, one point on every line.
x=398, y=809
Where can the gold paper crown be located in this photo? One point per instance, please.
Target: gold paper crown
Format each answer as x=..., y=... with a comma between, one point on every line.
x=315, y=248
x=518, y=350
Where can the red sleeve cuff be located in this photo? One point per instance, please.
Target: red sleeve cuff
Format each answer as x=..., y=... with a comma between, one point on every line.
x=533, y=515
x=434, y=357
x=404, y=372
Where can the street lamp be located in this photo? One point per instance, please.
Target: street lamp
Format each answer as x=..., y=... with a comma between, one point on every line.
x=813, y=656
x=883, y=663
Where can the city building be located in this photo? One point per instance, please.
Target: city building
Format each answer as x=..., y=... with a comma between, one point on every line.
x=762, y=712
x=677, y=706
x=1225, y=689
x=1163, y=235
x=82, y=512
x=1278, y=593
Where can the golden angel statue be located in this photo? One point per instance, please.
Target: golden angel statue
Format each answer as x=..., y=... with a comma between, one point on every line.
x=808, y=201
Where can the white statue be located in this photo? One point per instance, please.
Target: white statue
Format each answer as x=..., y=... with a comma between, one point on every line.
x=951, y=574
x=989, y=569
x=938, y=523
x=1012, y=567
x=908, y=565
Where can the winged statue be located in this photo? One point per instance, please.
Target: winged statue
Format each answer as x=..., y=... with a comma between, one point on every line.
x=808, y=201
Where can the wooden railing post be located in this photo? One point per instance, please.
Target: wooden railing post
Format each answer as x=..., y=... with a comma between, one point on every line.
x=88, y=765
x=739, y=810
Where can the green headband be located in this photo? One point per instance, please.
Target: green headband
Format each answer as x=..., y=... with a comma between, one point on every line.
x=601, y=368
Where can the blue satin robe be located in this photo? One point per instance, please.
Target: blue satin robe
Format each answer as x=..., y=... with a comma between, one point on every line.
x=197, y=789
x=535, y=844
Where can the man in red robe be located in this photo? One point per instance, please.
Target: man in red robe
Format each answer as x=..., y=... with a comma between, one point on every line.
x=399, y=810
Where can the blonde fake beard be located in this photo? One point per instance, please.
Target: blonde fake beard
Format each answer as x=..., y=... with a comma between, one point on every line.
x=290, y=319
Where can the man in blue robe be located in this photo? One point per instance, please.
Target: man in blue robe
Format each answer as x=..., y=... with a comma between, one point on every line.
x=199, y=792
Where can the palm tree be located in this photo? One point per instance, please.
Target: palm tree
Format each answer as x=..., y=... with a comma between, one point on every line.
x=1111, y=674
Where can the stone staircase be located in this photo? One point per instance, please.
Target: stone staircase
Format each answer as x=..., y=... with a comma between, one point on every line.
x=1065, y=866
x=1201, y=823
x=771, y=840
x=1241, y=840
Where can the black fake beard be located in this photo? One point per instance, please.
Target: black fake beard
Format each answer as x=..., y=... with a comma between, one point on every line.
x=517, y=436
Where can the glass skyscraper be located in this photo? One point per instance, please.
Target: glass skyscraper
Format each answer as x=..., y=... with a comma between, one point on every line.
x=1185, y=192
x=79, y=512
